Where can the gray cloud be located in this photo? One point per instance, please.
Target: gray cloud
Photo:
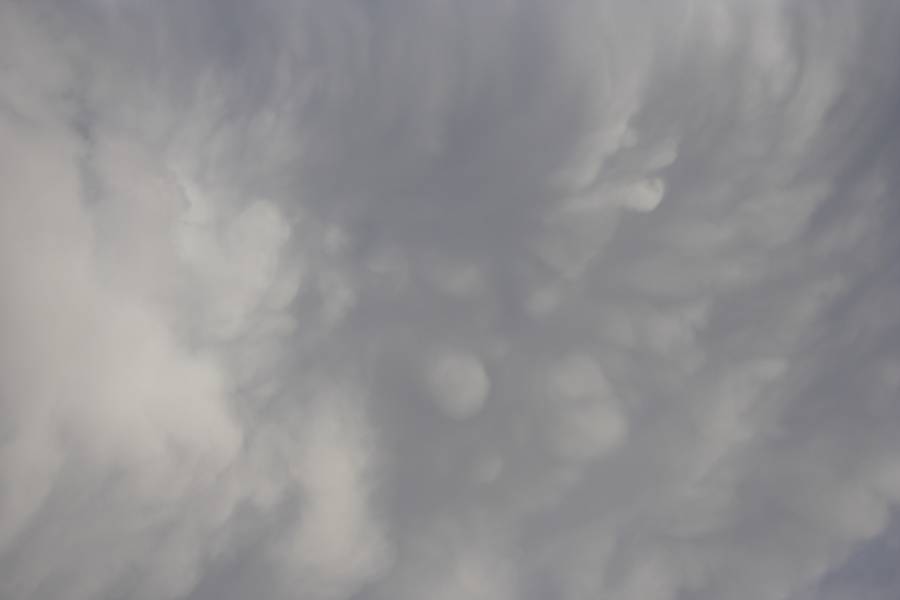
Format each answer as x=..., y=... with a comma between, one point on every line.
x=488, y=300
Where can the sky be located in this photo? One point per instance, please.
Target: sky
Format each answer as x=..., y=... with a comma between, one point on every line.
x=449, y=299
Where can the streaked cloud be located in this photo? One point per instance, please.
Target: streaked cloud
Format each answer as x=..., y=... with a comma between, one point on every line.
x=400, y=299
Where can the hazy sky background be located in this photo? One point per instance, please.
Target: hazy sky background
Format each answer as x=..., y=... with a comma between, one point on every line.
x=481, y=300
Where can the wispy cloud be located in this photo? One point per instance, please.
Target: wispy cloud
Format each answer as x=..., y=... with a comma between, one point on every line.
x=403, y=299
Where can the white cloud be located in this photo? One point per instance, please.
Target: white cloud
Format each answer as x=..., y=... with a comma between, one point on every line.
x=334, y=547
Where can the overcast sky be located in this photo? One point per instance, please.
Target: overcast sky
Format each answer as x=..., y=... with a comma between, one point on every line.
x=449, y=299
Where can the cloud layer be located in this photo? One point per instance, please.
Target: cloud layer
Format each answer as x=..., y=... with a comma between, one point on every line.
x=395, y=299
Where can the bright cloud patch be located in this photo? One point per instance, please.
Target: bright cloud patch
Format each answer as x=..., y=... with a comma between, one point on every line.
x=458, y=384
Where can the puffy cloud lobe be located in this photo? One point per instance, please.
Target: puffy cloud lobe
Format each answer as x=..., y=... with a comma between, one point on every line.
x=640, y=254
x=585, y=416
x=458, y=384
x=335, y=544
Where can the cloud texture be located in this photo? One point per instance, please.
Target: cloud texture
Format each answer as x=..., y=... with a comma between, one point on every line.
x=487, y=300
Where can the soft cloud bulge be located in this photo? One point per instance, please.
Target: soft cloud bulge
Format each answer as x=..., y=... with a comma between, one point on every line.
x=398, y=299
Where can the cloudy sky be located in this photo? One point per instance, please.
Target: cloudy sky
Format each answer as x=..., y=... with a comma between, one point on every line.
x=449, y=299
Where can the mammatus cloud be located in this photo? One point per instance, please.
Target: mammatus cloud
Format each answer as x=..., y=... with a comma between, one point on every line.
x=393, y=299
x=458, y=383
